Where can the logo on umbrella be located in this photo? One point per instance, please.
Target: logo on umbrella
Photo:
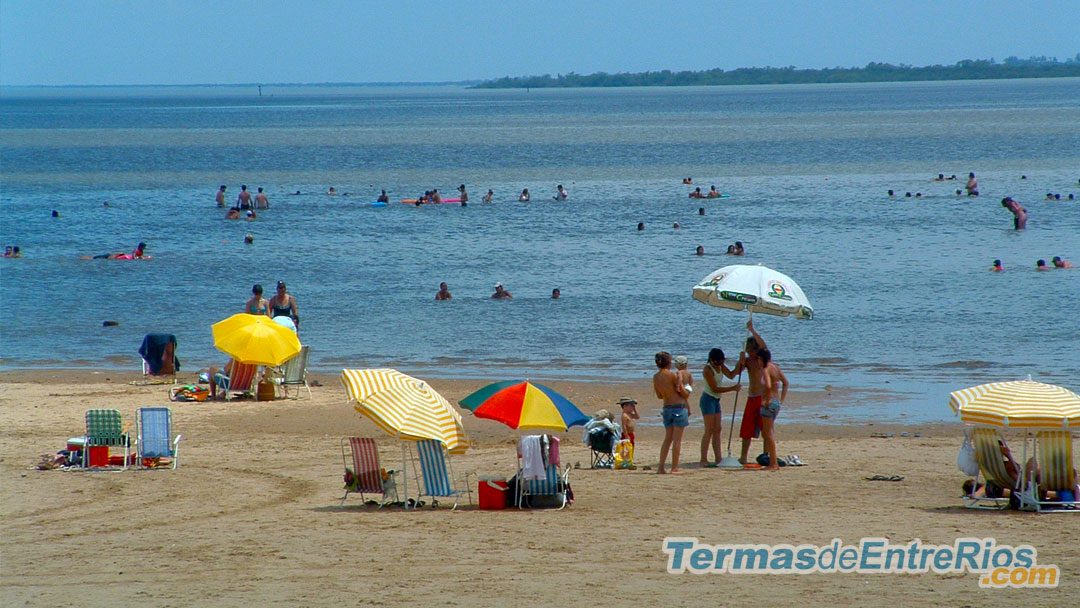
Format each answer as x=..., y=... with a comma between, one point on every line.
x=778, y=291
x=734, y=296
x=713, y=282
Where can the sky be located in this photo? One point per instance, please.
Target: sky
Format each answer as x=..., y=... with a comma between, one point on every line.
x=114, y=42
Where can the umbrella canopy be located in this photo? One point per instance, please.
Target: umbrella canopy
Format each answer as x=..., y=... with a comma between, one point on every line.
x=255, y=339
x=1021, y=403
x=404, y=407
x=520, y=404
x=754, y=288
x=284, y=321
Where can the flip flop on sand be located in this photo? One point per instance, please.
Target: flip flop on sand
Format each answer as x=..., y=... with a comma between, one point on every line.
x=886, y=478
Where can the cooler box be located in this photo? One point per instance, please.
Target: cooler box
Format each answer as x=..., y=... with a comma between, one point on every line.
x=266, y=391
x=99, y=455
x=492, y=493
x=75, y=444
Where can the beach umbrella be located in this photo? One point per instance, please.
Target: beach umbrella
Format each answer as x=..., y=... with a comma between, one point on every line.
x=1020, y=403
x=756, y=289
x=284, y=321
x=255, y=339
x=753, y=289
x=405, y=407
x=520, y=404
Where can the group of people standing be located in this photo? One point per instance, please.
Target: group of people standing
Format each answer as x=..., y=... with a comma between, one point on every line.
x=768, y=390
x=281, y=304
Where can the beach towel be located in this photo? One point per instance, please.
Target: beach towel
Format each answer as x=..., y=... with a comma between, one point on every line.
x=158, y=350
x=532, y=457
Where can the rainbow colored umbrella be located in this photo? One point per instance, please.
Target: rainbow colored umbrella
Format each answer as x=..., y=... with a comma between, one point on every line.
x=520, y=404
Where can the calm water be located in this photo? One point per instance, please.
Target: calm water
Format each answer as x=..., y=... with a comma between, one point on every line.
x=903, y=297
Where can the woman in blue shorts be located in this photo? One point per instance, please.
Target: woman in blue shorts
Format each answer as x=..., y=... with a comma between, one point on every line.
x=710, y=404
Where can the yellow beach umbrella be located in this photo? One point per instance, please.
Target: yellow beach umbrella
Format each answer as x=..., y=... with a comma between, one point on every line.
x=404, y=407
x=1021, y=403
x=255, y=339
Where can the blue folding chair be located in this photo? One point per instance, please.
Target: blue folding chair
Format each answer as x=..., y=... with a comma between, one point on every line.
x=553, y=486
x=154, y=436
x=438, y=475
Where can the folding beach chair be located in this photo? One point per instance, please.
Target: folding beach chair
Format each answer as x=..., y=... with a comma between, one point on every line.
x=363, y=474
x=1053, y=452
x=988, y=452
x=438, y=474
x=105, y=429
x=294, y=373
x=152, y=439
x=241, y=380
x=601, y=448
x=158, y=352
x=551, y=489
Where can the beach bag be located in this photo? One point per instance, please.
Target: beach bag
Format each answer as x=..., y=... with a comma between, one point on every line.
x=189, y=392
x=966, y=460
x=624, y=454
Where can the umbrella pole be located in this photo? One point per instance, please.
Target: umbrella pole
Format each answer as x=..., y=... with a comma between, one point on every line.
x=404, y=477
x=729, y=461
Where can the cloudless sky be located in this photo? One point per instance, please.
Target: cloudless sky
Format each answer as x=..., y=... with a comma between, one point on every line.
x=277, y=41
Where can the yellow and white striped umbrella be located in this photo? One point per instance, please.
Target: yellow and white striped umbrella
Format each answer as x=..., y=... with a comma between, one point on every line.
x=1021, y=403
x=405, y=407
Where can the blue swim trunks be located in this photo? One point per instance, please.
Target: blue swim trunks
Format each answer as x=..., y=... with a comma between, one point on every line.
x=676, y=416
x=709, y=405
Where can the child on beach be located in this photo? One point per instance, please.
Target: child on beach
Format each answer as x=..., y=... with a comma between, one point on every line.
x=685, y=377
x=629, y=415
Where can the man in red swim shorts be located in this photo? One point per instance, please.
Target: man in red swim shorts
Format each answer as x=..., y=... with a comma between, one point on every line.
x=751, y=420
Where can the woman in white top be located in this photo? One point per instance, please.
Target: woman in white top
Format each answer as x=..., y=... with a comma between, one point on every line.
x=710, y=404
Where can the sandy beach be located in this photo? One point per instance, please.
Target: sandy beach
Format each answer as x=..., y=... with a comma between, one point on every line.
x=251, y=515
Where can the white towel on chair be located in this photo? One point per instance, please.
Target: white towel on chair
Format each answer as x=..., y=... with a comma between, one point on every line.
x=532, y=456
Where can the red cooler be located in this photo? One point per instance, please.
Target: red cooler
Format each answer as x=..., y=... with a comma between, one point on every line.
x=492, y=493
x=99, y=455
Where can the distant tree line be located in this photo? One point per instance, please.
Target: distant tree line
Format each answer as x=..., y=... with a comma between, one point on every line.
x=968, y=69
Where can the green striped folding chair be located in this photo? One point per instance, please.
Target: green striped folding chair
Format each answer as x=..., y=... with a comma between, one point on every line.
x=1053, y=450
x=104, y=428
x=153, y=436
x=437, y=473
x=988, y=443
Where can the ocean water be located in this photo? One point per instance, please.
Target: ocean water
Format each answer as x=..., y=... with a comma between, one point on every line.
x=903, y=297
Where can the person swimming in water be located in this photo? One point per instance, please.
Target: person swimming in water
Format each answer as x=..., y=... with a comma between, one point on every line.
x=261, y=202
x=524, y=198
x=138, y=254
x=997, y=267
x=220, y=198
x=487, y=197
x=243, y=201
x=739, y=248
x=560, y=194
x=383, y=198
x=699, y=251
x=257, y=304
x=1058, y=262
x=713, y=192
x=687, y=181
x=892, y=194
x=697, y=193
x=940, y=177
x=641, y=226
x=1041, y=265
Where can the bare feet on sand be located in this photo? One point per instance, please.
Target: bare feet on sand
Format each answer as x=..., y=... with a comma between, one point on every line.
x=676, y=471
x=772, y=467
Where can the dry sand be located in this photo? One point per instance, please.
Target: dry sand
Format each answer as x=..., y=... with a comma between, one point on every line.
x=251, y=517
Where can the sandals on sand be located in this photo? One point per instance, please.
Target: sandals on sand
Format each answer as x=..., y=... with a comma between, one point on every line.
x=886, y=478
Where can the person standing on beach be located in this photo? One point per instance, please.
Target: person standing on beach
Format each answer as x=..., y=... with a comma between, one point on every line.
x=220, y=198
x=972, y=186
x=261, y=202
x=774, y=398
x=748, y=360
x=710, y=403
x=676, y=414
x=1019, y=213
x=443, y=293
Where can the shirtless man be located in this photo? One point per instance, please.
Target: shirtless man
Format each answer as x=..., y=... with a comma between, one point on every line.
x=697, y=193
x=501, y=293
x=443, y=293
x=751, y=419
x=676, y=416
x=972, y=186
x=220, y=198
x=1060, y=263
x=772, y=376
x=261, y=202
x=243, y=201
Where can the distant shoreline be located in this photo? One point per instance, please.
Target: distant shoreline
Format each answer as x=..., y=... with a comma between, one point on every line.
x=978, y=69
